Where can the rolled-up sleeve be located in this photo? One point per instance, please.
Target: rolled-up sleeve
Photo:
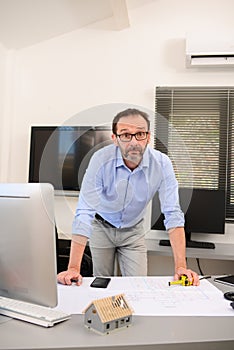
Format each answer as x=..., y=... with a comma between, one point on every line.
x=169, y=196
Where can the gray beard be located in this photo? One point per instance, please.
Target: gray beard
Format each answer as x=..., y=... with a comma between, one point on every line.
x=134, y=158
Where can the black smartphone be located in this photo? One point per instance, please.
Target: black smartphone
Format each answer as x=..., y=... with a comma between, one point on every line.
x=225, y=280
x=100, y=282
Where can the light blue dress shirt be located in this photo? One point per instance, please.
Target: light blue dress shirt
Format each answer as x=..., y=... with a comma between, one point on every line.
x=120, y=195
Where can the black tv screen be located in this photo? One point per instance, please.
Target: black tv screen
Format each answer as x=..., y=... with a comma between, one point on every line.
x=60, y=155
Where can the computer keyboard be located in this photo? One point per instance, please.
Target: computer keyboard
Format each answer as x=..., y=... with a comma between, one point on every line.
x=198, y=244
x=40, y=315
x=190, y=244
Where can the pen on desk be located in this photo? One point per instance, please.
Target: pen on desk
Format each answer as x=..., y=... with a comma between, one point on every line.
x=204, y=277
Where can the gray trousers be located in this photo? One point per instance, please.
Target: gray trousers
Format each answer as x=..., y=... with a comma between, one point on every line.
x=126, y=244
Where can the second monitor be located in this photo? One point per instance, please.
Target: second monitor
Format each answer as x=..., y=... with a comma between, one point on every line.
x=204, y=211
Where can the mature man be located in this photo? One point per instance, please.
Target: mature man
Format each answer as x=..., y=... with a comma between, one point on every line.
x=119, y=182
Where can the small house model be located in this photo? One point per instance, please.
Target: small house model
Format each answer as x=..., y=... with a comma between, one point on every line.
x=108, y=314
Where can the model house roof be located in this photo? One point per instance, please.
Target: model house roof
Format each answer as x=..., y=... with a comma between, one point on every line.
x=111, y=308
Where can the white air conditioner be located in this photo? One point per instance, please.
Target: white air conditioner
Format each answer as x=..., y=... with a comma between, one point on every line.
x=206, y=53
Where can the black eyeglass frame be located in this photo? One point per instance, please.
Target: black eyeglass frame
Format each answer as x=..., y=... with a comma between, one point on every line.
x=135, y=135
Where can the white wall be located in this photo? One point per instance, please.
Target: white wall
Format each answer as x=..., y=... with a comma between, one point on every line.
x=2, y=106
x=97, y=66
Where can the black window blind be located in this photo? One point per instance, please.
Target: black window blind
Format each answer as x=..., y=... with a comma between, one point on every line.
x=195, y=127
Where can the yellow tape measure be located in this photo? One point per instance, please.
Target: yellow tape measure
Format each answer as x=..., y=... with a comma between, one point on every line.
x=183, y=281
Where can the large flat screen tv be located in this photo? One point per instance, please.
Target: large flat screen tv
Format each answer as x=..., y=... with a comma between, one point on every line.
x=204, y=211
x=60, y=154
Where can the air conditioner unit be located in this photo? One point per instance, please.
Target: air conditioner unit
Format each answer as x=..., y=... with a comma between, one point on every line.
x=206, y=53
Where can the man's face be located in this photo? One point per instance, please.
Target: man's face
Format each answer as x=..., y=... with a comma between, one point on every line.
x=132, y=151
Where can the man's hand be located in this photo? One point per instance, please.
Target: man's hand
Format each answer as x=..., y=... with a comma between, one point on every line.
x=192, y=276
x=69, y=276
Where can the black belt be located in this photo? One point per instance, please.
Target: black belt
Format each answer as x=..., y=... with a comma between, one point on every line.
x=103, y=221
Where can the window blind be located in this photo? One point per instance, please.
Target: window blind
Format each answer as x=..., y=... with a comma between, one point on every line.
x=195, y=127
x=230, y=156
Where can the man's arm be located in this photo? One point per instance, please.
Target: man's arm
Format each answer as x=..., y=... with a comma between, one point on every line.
x=178, y=244
x=78, y=244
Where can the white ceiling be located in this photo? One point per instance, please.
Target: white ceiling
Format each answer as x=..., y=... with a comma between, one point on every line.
x=27, y=22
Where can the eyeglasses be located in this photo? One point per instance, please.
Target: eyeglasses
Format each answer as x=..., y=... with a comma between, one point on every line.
x=127, y=137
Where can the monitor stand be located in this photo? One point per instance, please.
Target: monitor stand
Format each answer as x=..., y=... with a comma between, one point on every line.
x=190, y=243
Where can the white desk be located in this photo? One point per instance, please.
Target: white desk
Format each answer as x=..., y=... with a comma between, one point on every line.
x=148, y=333
x=222, y=251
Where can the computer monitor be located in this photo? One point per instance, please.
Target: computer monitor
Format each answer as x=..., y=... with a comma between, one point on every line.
x=204, y=211
x=28, y=243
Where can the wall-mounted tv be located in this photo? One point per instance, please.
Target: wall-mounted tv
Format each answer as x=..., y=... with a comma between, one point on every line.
x=60, y=154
